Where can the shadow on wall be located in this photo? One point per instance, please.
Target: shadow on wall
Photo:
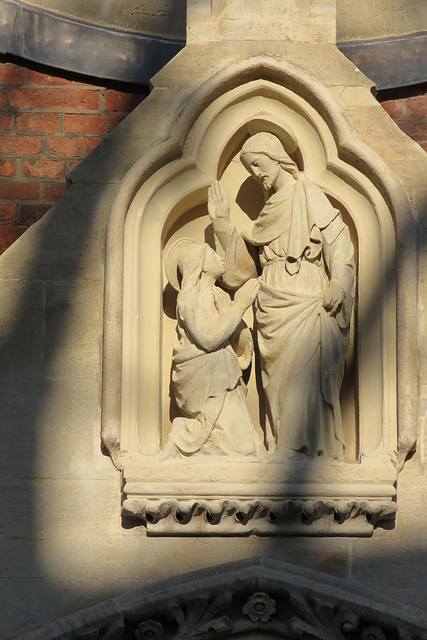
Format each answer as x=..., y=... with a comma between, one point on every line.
x=62, y=537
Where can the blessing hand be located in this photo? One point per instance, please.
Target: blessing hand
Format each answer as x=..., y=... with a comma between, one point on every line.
x=218, y=204
x=332, y=297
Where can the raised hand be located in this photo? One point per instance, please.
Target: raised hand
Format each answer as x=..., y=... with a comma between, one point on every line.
x=246, y=294
x=218, y=204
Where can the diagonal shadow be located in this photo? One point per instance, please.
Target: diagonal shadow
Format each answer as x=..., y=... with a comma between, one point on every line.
x=41, y=277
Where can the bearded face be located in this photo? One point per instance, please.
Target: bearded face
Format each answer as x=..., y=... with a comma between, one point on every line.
x=262, y=168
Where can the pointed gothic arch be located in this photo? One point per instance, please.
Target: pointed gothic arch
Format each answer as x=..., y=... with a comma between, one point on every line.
x=166, y=192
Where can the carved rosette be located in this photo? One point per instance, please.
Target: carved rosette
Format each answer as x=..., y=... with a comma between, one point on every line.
x=255, y=598
x=277, y=614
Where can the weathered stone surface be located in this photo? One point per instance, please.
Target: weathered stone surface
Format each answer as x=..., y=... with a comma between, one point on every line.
x=65, y=545
x=380, y=19
x=21, y=327
x=67, y=243
x=394, y=558
x=163, y=18
x=312, y=21
x=73, y=316
x=32, y=433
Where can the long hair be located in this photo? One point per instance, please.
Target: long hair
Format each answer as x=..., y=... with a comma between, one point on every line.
x=269, y=145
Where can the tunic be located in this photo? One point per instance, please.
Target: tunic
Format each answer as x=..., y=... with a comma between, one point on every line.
x=301, y=244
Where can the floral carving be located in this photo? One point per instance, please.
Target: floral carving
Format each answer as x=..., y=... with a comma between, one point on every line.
x=260, y=607
x=149, y=630
x=373, y=633
x=321, y=620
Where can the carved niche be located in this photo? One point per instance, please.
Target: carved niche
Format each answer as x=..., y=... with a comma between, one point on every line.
x=271, y=487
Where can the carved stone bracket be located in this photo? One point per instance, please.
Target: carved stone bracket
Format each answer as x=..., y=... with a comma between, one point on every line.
x=262, y=516
x=254, y=598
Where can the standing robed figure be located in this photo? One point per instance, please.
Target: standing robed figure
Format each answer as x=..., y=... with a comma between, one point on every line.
x=304, y=304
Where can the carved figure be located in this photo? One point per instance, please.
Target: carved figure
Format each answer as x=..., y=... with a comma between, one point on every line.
x=206, y=374
x=304, y=252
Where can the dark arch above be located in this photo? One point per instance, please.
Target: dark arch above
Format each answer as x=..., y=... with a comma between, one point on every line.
x=259, y=596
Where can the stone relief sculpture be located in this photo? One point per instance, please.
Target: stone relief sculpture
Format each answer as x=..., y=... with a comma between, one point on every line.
x=199, y=465
x=206, y=371
x=303, y=250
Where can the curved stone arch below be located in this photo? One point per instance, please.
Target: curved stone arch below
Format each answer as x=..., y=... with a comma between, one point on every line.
x=256, y=598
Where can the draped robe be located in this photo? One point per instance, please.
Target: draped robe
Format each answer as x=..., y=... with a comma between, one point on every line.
x=301, y=244
x=207, y=383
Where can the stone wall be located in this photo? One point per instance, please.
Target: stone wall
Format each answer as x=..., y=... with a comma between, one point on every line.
x=48, y=123
x=63, y=542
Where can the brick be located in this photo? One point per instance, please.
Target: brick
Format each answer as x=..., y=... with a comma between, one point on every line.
x=7, y=167
x=19, y=190
x=6, y=123
x=393, y=107
x=2, y=98
x=20, y=145
x=115, y=120
x=11, y=74
x=416, y=107
x=55, y=99
x=43, y=168
x=86, y=84
x=85, y=123
x=71, y=147
x=118, y=101
x=53, y=191
x=30, y=213
x=8, y=235
x=415, y=129
x=42, y=79
x=7, y=213
x=70, y=165
x=42, y=122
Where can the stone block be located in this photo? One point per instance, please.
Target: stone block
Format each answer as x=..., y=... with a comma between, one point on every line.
x=21, y=328
x=67, y=243
x=395, y=560
x=59, y=508
x=73, y=329
x=404, y=156
x=50, y=429
x=27, y=604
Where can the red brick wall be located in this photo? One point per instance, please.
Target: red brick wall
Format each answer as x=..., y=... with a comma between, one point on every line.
x=48, y=123
x=410, y=113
